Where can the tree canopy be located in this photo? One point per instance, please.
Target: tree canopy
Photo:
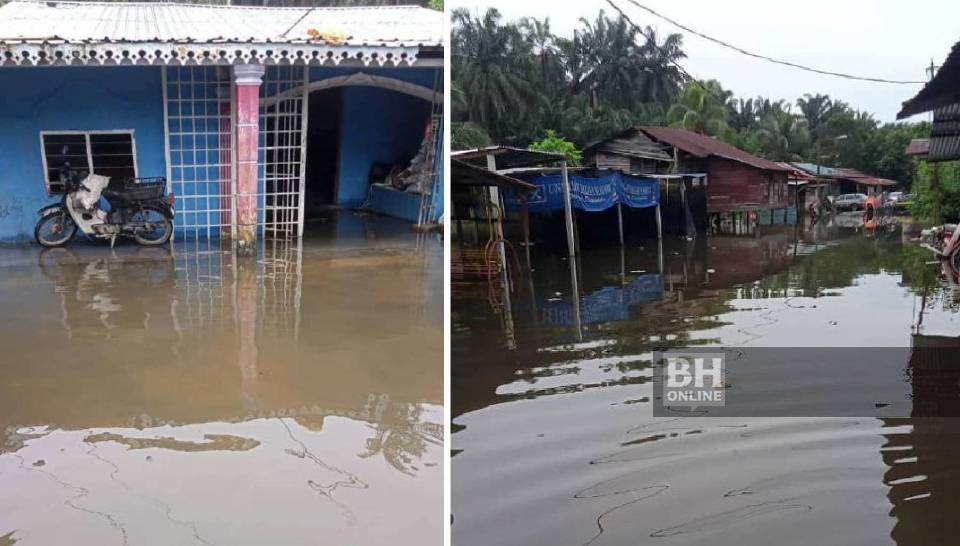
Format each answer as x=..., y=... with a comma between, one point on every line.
x=515, y=81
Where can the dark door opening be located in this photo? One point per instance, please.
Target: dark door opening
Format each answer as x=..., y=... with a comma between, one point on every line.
x=323, y=153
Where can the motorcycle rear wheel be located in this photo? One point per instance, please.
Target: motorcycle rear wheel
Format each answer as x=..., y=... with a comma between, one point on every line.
x=161, y=233
x=62, y=226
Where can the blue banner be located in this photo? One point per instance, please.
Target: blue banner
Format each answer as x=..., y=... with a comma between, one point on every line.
x=608, y=304
x=593, y=194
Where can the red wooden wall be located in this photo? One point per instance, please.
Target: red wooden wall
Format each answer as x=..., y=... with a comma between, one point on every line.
x=732, y=185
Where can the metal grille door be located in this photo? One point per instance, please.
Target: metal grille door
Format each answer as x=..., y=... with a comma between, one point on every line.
x=282, y=150
x=198, y=108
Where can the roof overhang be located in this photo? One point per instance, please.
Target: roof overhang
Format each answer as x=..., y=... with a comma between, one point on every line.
x=465, y=174
x=46, y=53
x=942, y=90
x=507, y=157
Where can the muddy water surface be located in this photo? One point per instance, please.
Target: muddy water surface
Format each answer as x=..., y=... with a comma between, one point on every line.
x=554, y=438
x=158, y=397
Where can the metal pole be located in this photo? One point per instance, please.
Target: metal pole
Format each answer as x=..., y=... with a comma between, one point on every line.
x=660, y=256
x=525, y=218
x=620, y=221
x=575, y=289
x=659, y=224
x=567, y=209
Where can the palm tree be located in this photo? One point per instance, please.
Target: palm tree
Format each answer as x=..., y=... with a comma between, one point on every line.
x=743, y=116
x=661, y=78
x=815, y=108
x=700, y=111
x=783, y=136
x=546, y=47
x=491, y=69
x=609, y=61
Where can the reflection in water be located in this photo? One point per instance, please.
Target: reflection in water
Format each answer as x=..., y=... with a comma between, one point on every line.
x=186, y=396
x=557, y=423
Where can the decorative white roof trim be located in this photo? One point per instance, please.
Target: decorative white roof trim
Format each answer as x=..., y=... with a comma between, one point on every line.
x=154, y=53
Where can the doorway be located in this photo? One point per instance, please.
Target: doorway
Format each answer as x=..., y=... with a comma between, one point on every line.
x=323, y=154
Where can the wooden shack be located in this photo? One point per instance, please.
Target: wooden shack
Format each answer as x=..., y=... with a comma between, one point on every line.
x=743, y=190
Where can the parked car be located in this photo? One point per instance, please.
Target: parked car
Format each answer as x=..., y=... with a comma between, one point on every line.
x=850, y=201
x=896, y=196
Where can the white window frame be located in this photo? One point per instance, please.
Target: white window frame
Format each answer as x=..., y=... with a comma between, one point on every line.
x=86, y=134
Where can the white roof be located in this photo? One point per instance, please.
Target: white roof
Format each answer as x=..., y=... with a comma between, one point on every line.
x=143, y=22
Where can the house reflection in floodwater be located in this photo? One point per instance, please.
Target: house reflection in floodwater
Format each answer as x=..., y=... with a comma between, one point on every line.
x=314, y=372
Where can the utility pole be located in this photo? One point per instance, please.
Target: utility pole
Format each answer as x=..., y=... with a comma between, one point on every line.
x=931, y=71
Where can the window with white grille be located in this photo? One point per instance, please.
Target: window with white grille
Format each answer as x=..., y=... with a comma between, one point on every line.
x=108, y=153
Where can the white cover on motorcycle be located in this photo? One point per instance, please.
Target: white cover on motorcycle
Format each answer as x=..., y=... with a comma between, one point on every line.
x=95, y=184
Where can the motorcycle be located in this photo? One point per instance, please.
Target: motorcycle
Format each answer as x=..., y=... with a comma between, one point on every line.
x=944, y=241
x=139, y=210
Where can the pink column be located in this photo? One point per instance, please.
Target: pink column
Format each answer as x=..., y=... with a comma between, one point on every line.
x=248, y=78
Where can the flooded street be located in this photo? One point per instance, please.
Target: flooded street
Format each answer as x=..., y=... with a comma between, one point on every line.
x=152, y=396
x=555, y=441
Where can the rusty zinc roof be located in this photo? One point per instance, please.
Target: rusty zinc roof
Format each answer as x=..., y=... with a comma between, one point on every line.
x=918, y=146
x=704, y=146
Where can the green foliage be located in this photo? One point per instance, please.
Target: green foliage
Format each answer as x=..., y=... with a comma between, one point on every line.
x=936, y=192
x=435, y=4
x=467, y=136
x=518, y=80
x=699, y=110
x=554, y=143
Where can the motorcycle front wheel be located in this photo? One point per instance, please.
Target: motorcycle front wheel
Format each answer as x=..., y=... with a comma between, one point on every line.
x=55, y=229
x=162, y=227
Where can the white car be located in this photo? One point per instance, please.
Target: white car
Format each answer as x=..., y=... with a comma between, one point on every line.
x=850, y=201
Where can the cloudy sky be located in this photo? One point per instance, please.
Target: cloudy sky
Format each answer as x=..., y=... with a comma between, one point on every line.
x=884, y=39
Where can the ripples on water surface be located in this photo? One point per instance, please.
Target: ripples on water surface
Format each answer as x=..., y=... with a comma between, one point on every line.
x=150, y=397
x=554, y=440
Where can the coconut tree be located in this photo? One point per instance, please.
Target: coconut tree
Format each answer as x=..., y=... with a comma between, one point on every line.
x=700, y=111
x=783, y=136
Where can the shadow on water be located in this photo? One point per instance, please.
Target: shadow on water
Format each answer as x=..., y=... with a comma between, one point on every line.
x=154, y=394
x=552, y=396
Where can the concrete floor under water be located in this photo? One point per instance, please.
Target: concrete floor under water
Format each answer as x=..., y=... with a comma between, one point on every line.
x=181, y=395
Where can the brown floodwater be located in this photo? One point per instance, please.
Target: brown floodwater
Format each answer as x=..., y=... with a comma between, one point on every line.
x=555, y=442
x=180, y=396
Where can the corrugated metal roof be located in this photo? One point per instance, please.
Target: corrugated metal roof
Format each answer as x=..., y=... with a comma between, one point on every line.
x=630, y=142
x=918, y=146
x=507, y=157
x=816, y=170
x=945, y=134
x=465, y=174
x=106, y=22
x=699, y=145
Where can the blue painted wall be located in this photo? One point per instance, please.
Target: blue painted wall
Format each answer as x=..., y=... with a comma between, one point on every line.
x=378, y=126
x=69, y=98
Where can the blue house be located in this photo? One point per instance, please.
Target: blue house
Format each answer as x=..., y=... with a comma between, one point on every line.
x=270, y=114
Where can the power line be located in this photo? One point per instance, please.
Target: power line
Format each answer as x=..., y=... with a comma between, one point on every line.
x=752, y=54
